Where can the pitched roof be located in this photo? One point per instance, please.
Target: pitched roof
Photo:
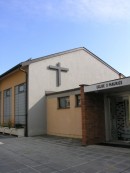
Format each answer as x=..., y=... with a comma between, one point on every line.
x=30, y=61
x=11, y=70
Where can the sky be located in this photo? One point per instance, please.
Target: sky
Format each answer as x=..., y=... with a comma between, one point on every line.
x=35, y=28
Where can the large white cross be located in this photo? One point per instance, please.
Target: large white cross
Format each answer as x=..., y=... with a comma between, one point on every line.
x=58, y=69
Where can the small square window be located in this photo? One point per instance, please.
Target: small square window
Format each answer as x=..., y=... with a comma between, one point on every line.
x=64, y=102
x=78, y=100
x=21, y=88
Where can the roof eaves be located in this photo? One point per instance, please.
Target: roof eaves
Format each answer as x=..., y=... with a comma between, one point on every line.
x=29, y=61
x=22, y=64
x=63, y=91
x=52, y=55
x=70, y=51
x=26, y=63
x=103, y=62
x=11, y=70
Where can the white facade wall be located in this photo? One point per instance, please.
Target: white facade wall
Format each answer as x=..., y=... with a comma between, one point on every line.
x=83, y=69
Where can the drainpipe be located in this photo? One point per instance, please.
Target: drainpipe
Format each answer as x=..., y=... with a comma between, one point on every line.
x=26, y=102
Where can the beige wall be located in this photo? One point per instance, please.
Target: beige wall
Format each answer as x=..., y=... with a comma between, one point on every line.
x=63, y=122
x=7, y=82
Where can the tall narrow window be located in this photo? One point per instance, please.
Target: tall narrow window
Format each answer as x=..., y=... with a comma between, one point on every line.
x=78, y=100
x=20, y=104
x=63, y=102
x=7, y=105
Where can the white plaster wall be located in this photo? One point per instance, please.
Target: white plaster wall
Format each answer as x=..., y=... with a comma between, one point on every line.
x=83, y=69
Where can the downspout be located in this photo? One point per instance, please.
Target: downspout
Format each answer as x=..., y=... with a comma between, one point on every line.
x=26, y=102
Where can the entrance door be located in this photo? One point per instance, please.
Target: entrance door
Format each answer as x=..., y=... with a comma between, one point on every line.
x=120, y=121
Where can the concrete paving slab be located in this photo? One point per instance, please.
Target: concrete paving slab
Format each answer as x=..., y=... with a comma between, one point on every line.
x=60, y=155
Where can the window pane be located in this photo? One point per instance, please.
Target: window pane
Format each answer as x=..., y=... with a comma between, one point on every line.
x=21, y=88
x=7, y=105
x=64, y=102
x=78, y=100
x=8, y=93
x=20, y=104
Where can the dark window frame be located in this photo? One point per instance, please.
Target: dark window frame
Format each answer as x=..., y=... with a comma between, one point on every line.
x=64, y=100
x=77, y=100
x=19, y=86
x=8, y=93
x=19, y=91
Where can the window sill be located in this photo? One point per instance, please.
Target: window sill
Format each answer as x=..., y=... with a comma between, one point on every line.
x=77, y=106
x=63, y=108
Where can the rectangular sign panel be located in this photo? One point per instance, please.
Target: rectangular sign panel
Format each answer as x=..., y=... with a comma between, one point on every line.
x=107, y=85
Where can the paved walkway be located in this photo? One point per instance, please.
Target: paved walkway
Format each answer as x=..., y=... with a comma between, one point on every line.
x=56, y=155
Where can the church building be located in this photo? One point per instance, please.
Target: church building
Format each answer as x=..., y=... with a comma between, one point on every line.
x=73, y=93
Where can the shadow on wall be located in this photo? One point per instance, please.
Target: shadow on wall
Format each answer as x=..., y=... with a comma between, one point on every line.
x=37, y=120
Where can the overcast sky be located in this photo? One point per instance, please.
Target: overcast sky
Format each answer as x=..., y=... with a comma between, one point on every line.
x=34, y=28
